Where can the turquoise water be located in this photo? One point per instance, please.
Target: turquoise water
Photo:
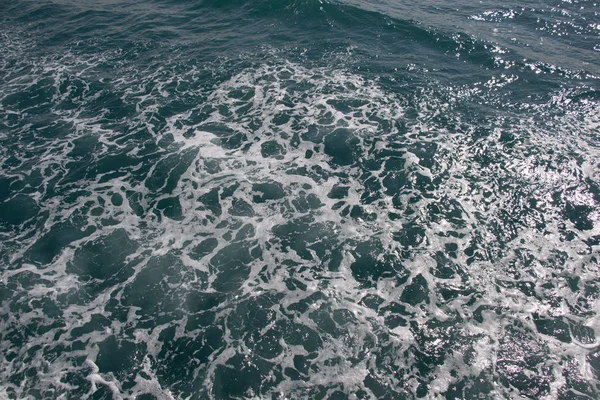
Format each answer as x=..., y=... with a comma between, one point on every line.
x=299, y=199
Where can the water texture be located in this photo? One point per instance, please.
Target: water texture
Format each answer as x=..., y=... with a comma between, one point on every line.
x=299, y=199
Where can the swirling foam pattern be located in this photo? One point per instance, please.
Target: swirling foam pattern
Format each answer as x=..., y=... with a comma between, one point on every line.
x=271, y=200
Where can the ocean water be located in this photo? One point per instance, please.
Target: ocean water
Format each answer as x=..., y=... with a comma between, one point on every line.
x=299, y=199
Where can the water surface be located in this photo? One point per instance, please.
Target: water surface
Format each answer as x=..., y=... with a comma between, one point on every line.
x=299, y=199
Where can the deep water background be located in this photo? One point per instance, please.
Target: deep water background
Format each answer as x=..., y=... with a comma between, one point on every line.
x=299, y=199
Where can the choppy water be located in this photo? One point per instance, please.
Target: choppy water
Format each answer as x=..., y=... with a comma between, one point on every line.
x=299, y=199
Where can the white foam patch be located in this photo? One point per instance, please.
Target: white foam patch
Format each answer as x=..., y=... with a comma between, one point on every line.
x=273, y=123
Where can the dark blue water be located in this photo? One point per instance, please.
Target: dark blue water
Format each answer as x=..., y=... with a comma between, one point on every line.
x=299, y=199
